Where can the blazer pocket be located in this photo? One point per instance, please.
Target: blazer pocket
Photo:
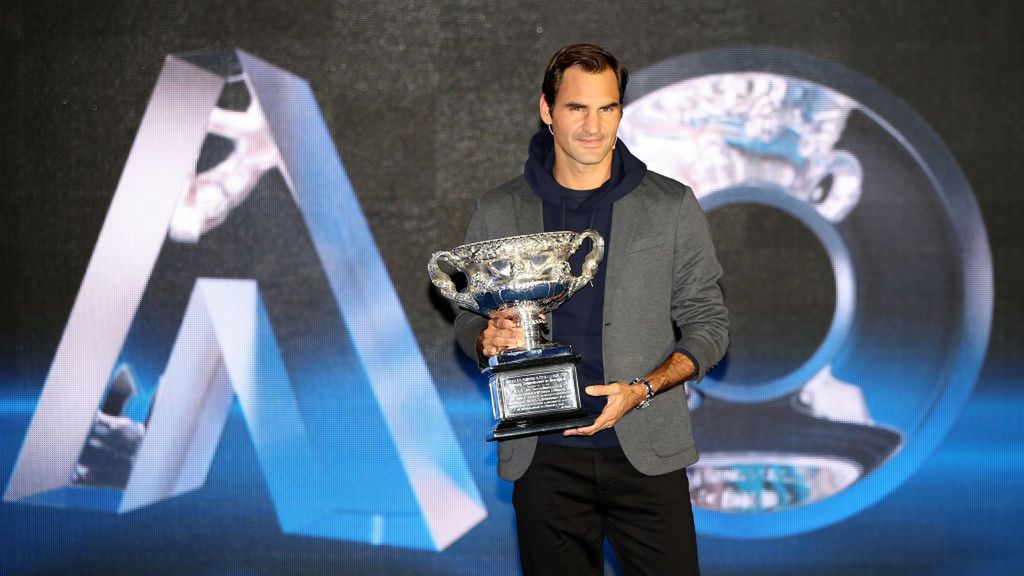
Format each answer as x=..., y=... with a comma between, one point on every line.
x=666, y=446
x=668, y=429
x=646, y=243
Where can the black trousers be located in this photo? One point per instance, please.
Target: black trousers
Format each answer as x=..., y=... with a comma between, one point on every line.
x=570, y=499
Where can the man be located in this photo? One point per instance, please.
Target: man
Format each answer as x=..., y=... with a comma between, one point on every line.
x=652, y=320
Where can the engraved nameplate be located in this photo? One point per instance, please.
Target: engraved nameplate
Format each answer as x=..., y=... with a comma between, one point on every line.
x=538, y=391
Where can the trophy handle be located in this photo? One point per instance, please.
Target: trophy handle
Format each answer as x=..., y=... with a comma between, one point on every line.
x=444, y=282
x=590, y=262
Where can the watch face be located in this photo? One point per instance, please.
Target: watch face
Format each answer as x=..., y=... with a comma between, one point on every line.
x=856, y=271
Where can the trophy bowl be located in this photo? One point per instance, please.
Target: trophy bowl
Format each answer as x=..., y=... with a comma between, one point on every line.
x=506, y=272
x=534, y=387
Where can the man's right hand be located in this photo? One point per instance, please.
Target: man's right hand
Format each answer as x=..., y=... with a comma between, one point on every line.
x=500, y=333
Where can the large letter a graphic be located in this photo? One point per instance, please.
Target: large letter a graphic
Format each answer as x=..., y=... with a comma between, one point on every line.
x=235, y=262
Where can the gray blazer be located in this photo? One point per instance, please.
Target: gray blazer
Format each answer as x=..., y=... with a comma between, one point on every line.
x=662, y=274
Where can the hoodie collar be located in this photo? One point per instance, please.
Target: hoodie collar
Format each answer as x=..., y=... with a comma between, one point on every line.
x=627, y=172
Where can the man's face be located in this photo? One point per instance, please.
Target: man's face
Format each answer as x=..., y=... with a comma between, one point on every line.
x=584, y=118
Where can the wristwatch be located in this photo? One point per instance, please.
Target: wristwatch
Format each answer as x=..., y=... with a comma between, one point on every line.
x=650, y=392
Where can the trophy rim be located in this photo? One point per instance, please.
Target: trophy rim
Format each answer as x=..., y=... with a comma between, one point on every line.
x=505, y=239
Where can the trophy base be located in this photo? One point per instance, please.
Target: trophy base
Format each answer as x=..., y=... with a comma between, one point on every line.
x=547, y=353
x=539, y=425
x=535, y=391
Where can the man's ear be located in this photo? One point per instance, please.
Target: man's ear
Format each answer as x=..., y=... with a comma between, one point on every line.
x=545, y=111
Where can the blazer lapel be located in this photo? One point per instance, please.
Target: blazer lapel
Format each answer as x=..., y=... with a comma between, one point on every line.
x=626, y=220
x=529, y=213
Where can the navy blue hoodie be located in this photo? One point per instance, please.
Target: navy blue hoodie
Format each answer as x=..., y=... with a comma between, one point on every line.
x=580, y=320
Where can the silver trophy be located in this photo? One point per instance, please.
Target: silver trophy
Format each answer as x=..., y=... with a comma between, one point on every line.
x=533, y=388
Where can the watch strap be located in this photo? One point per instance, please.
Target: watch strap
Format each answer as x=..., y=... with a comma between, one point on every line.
x=650, y=392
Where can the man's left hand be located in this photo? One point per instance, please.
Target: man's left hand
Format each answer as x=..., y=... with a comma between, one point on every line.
x=622, y=398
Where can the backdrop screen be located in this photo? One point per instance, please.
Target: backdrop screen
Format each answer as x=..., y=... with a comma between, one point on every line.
x=221, y=353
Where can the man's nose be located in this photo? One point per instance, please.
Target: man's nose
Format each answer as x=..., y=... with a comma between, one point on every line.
x=591, y=122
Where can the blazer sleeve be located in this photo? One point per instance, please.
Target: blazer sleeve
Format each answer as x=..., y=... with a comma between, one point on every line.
x=468, y=325
x=698, y=309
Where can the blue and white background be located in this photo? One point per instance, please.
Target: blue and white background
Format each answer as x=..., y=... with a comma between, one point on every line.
x=859, y=162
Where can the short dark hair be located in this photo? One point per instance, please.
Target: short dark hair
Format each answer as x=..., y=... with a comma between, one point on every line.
x=591, y=58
